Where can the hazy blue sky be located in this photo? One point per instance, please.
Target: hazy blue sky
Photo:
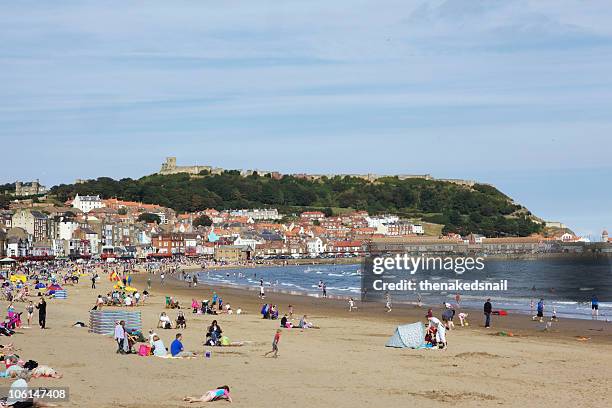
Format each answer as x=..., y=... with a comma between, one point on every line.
x=516, y=93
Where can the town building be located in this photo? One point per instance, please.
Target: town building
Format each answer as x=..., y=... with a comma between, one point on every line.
x=87, y=203
x=233, y=253
x=258, y=214
x=168, y=243
x=33, y=221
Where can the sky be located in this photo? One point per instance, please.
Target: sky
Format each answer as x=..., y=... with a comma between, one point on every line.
x=514, y=93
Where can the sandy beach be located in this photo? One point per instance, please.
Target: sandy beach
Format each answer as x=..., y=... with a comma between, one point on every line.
x=342, y=364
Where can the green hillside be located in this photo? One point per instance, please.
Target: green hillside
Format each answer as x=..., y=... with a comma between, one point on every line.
x=479, y=209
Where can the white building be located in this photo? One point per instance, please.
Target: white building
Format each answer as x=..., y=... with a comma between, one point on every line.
x=251, y=242
x=258, y=214
x=418, y=229
x=87, y=203
x=65, y=229
x=315, y=246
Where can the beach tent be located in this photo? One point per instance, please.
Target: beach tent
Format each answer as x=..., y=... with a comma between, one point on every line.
x=408, y=335
x=7, y=260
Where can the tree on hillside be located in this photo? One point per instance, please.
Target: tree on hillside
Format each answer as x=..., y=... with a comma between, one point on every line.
x=149, y=218
x=4, y=201
x=203, y=220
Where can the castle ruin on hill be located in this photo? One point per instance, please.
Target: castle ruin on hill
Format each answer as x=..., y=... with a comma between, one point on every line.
x=170, y=167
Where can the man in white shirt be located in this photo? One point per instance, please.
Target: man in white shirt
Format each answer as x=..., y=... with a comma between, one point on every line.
x=440, y=332
x=120, y=335
x=164, y=321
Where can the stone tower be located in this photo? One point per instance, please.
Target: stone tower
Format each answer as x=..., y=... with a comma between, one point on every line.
x=169, y=165
x=604, y=236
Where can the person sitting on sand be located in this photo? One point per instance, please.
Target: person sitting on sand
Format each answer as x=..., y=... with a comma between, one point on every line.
x=177, y=349
x=285, y=323
x=265, y=311
x=274, y=312
x=159, y=349
x=181, y=322
x=152, y=334
x=304, y=323
x=214, y=331
x=222, y=392
x=164, y=321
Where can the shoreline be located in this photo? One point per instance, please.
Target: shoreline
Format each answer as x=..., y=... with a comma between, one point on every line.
x=566, y=308
x=566, y=329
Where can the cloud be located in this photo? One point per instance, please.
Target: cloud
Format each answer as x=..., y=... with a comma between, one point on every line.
x=480, y=83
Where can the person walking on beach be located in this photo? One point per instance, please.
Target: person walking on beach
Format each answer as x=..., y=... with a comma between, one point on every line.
x=274, y=344
x=42, y=313
x=162, y=277
x=30, y=311
x=540, y=314
x=594, y=307
x=488, y=308
x=120, y=335
x=149, y=281
x=352, y=304
x=324, y=288
x=93, y=281
x=458, y=300
x=531, y=306
x=262, y=294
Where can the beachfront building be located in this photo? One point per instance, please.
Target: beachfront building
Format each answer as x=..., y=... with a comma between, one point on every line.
x=251, y=242
x=315, y=247
x=233, y=253
x=168, y=243
x=17, y=247
x=346, y=247
x=87, y=203
x=87, y=234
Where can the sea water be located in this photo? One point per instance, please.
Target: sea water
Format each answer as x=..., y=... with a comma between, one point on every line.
x=566, y=284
